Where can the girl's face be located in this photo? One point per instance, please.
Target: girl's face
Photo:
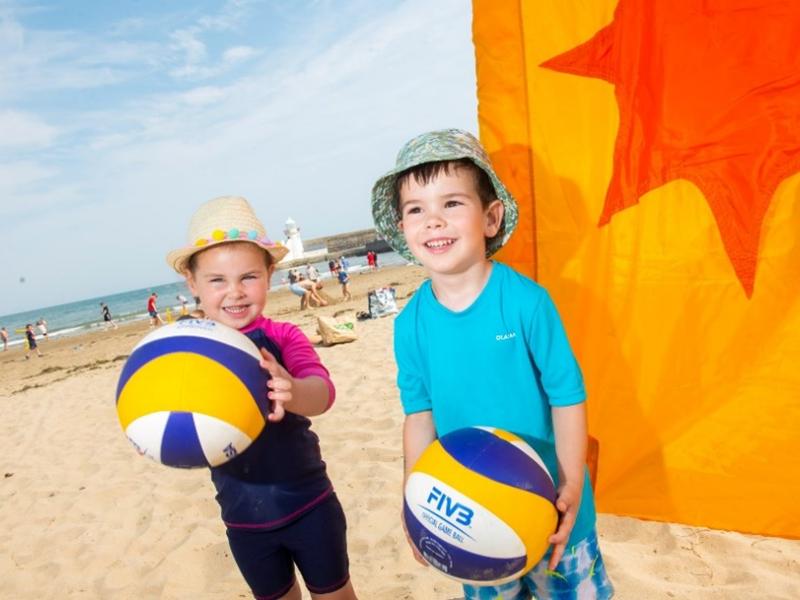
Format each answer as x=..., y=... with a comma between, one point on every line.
x=231, y=281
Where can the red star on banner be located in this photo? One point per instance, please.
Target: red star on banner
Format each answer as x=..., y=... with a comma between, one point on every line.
x=708, y=91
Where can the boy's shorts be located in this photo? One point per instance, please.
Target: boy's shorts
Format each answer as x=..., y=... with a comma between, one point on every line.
x=297, y=290
x=581, y=575
x=316, y=543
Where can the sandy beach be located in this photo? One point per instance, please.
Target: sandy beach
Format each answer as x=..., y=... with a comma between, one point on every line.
x=83, y=516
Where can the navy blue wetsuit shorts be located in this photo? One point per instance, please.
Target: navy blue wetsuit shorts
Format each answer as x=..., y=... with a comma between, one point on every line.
x=316, y=542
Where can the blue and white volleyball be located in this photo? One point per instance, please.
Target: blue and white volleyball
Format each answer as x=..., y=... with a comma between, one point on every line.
x=480, y=506
x=192, y=394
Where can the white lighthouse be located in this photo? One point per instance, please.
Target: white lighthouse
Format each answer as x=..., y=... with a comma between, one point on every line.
x=293, y=241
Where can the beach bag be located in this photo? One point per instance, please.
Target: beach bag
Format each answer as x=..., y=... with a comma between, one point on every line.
x=336, y=330
x=382, y=302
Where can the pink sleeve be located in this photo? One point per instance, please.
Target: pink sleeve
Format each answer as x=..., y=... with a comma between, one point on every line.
x=298, y=354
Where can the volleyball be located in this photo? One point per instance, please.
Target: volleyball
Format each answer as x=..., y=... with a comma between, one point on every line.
x=480, y=506
x=192, y=394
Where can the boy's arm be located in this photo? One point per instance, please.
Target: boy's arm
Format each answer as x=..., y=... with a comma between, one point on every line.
x=418, y=433
x=569, y=425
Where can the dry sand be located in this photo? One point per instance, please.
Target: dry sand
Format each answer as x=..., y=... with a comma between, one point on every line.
x=83, y=516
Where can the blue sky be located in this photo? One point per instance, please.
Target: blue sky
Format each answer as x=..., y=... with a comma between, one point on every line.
x=118, y=118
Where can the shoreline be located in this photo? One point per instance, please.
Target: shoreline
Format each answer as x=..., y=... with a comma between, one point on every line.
x=62, y=349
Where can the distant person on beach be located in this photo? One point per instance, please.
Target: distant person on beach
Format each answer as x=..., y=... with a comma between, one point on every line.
x=344, y=264
x=41, y=325
x=198, y=312
x=371, y=260
x=298, y=290
x=152, y=310
x=312, y=273
x=333, y=267
x=308, y=292
x=344, y=280
x=443, y=205
x=4, y=336
x=30, y=336
x=375, y=260
x=277, y=502
x=184, y=308
x=107, y=316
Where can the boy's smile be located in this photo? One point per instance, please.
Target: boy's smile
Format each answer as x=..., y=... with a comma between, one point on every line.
x=445, y=223
x=231, y=281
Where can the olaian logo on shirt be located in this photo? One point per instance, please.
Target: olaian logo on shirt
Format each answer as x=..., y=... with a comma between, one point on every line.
x=501, y=337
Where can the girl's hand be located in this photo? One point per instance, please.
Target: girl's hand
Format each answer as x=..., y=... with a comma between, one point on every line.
x=280, y=385
x=567, y=503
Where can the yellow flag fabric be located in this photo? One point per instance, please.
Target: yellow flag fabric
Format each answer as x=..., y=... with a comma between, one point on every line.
x=693, y=376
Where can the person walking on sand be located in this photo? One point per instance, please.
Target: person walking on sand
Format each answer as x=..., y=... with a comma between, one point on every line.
x=152, y=310
x=41, y=324
x=30, y=336
x=344, y=279
x=107, y=316
x=4, y=336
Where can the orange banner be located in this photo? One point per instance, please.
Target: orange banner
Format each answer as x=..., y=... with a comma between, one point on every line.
x=654, y=148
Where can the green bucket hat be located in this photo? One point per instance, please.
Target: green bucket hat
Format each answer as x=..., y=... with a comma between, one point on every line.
x=434, y=146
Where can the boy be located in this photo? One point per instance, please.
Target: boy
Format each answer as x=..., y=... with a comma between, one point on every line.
x=152, y=310
x=480, y=344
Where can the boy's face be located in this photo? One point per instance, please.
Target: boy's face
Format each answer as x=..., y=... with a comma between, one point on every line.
x=444, y=222
x=231, y=281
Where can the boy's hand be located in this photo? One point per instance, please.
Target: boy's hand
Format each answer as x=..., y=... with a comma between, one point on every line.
x=280, y=385
x=567, y=503
x=417, y=555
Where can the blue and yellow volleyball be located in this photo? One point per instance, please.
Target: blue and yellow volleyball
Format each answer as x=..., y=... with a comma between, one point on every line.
x=192, y=394
x=480, y=506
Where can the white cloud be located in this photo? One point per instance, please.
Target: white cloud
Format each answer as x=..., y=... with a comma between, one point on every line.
x=238, y=54
x=24, y=130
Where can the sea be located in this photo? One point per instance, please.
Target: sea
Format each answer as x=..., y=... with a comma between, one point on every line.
x=85, y=315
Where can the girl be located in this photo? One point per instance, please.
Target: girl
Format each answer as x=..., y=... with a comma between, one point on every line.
x=277, y=502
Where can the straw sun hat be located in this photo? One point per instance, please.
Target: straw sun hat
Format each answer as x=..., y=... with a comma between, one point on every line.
x=222, y=220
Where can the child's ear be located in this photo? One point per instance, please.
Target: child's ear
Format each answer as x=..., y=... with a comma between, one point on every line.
x=494, y=218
